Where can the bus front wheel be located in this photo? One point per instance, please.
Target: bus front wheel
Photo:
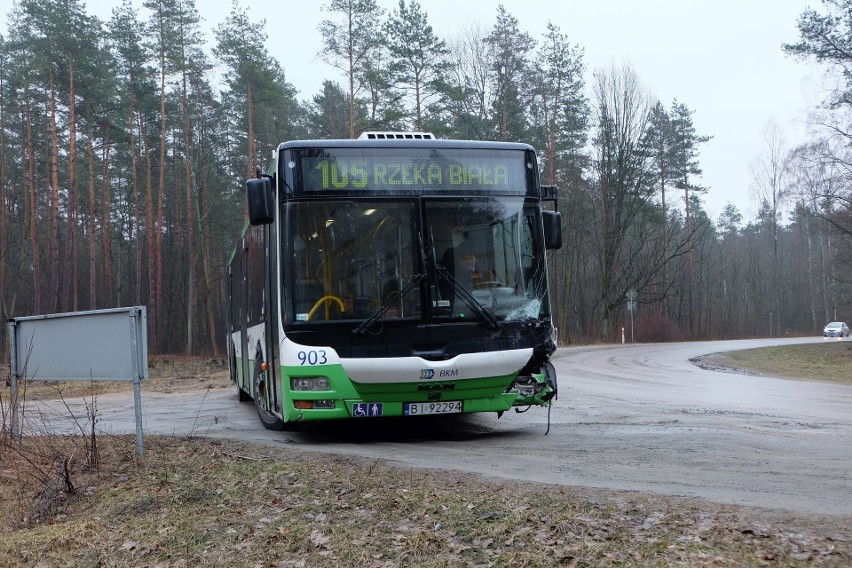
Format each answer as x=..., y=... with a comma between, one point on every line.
x=267, y=418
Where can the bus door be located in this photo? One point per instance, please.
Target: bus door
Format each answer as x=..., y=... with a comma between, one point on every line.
x=240, y=322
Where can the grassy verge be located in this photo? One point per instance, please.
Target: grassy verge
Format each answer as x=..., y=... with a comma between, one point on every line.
x=212, y=503
x=829, y=361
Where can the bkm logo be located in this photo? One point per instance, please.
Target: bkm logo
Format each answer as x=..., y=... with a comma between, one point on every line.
x=426, y=374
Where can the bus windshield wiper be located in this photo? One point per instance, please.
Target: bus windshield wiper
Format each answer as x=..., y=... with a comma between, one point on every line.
x=388, y=304
x=468, y=298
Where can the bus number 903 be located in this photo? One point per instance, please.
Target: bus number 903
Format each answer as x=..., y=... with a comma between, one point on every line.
x=312, y=357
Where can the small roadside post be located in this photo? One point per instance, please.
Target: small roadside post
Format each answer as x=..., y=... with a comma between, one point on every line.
x=631, y=307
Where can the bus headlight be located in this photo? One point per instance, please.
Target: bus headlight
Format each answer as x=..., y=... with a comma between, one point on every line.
x=310, y=384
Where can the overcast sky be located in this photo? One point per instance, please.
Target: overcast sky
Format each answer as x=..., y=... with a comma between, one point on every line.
x=722, y=58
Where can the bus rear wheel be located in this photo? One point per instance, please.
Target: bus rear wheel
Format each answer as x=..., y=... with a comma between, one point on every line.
x=242, y=396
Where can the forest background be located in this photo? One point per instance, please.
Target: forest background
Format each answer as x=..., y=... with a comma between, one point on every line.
x=123, y=162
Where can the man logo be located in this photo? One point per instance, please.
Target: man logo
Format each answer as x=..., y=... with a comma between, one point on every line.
x=426, y=374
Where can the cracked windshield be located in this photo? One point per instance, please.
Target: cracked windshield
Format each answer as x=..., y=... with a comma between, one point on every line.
x=353, y=260
x=485, y=250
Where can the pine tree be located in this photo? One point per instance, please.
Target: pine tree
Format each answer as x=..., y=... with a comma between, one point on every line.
x=5, y=205
x=26, y=75
x=419, y=57
x=189, y=61
x=509, y=49
x=163, y=32
x=827, y=37
x=658, y=145
x=126, y=43
x=684, y=166
x=249, y=67
x=348, y=43
x=327, y=112
x=560, y=105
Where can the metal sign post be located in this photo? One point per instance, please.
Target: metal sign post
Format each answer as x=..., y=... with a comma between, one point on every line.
x=13, y=366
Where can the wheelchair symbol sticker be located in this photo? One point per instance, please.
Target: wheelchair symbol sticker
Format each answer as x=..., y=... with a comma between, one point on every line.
x=365, y=409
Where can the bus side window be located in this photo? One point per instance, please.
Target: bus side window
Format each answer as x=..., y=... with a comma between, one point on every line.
x=255, y=275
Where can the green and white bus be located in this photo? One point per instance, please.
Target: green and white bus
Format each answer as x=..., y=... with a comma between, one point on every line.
x=393, y=275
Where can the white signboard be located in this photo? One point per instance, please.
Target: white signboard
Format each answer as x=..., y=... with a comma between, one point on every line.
x=100, y=345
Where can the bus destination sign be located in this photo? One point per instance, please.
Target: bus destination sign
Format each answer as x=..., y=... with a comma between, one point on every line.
x=501, y=174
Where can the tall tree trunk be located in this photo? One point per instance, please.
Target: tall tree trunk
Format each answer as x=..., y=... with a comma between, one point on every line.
x=150, y=225
x=822, y=268
x=665, y=286
x=134, y=191
x=607, y=254
x=550, y=122
x=4, y=227
x=31, y=180
x=190, y=289
x=504, y=115
x=689, y=260
x=91, y=222
x=417, y=104
x=776, y=281
x=159, y=324
x=810, y=268
x=75, y=254
x=351, y=83
x=251, y=147
x=70, y=263
x=202, y=212
x=54, y=181
x=209, y=281
x=106, y=223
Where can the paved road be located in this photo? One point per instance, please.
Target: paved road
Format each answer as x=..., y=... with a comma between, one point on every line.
x=636, y=417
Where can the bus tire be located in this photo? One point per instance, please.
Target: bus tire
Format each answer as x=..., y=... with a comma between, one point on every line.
x=267, y=418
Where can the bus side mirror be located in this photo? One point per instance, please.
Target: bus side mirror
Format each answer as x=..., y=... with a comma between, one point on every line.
x=260, y=201
x=552, y=229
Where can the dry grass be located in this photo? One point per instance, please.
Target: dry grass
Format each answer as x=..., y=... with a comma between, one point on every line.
x=828, y=361
x=212, y=503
